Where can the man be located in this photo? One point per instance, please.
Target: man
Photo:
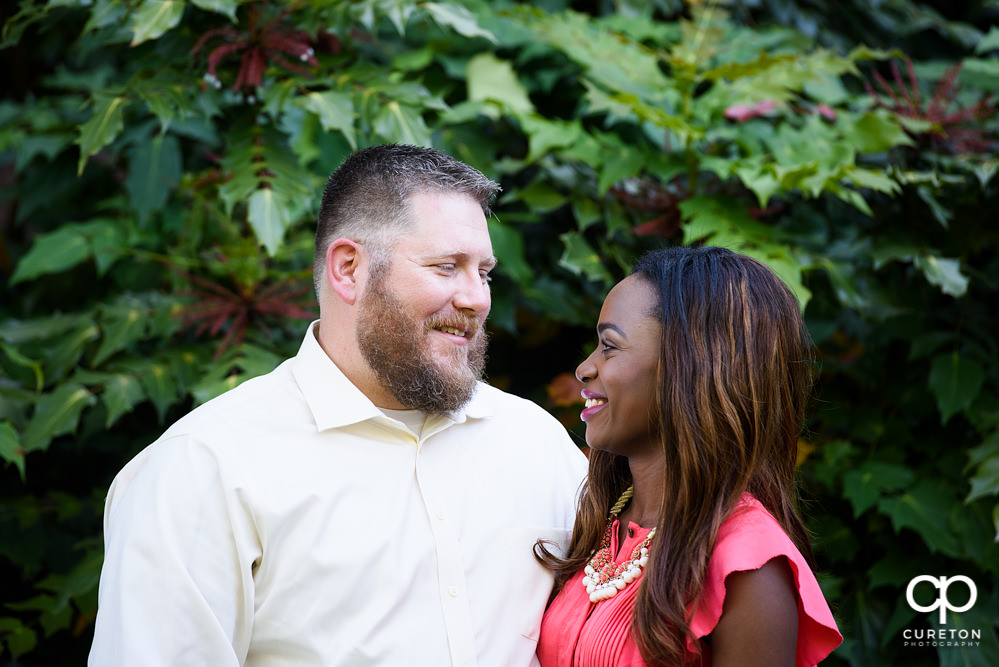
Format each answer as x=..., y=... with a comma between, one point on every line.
x=369, y=502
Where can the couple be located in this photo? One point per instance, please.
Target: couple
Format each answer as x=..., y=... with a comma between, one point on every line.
x=371, y=502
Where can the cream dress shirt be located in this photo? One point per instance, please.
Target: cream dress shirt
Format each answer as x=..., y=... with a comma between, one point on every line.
x=290, y=522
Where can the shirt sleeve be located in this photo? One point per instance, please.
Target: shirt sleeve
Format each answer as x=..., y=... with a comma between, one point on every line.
x=180, y=545
x=746, y=541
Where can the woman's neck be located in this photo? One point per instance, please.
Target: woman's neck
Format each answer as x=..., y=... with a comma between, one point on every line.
x=647, y=477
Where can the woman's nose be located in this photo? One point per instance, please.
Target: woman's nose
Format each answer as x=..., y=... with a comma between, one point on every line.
x=586, y=371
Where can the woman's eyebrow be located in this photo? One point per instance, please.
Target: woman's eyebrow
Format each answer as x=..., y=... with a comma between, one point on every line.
x=613, y=327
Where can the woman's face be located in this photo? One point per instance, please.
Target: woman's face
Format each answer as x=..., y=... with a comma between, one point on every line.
x=619, y=377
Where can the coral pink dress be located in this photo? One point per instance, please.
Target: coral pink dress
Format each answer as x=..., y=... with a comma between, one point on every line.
x=578, y=633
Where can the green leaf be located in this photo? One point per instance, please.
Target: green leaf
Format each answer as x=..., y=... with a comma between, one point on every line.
x=844, y=284
x=53, y=252
x=153, y=18
x=154, y=171
x=508, y=245
x=491, y=79
x=18, y=332
x=109, y=242
x=760, y=180
x=723, y=220
x=269, y=217
x=122, y=392
x=62, y=354
x=11, y=450
x=955, y=382
x=458, y=18
x=335, y=111
x=875, y=132
x=56, y=413
x=402, y=124
x=69, y=245
x=122, y=325
x=34, y=366
x=620, y=163
x=225, y=7
x=159, y=382
x=986, y=480
x=20, y=639
x=925, y=509
x=944, y=273
x=988, y=43
x=547, y=135
x=540, y=197
x=866, y=485
x=104, y=125
x=582, y=259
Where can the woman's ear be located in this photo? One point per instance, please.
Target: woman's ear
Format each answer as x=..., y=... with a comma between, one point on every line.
x=342, y=263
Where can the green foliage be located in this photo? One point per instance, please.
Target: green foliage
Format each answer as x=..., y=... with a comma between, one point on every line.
x=161, y=164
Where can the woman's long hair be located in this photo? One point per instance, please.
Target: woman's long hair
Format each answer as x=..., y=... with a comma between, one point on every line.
x=735, y=372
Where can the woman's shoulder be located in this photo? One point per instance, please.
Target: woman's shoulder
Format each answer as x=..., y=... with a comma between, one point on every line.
x=749, y=538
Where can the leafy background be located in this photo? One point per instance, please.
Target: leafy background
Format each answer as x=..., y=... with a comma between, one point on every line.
x=161, y=160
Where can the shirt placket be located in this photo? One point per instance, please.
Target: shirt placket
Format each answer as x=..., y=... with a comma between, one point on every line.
x=450, y=569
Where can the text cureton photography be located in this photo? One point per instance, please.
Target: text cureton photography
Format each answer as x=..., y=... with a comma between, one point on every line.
x=940, y=637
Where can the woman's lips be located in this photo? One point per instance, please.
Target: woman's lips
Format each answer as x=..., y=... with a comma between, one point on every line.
x=594, y=404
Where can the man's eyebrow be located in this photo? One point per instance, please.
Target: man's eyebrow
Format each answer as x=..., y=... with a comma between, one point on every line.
x=604, y=326
x=487, y=263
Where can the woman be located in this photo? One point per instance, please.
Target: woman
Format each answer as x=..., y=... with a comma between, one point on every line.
x=687, y=548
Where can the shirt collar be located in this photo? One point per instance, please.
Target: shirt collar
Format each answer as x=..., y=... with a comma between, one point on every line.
x=335, y=402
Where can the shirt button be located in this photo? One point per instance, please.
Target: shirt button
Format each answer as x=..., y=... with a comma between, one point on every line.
x=439, y=515
x=453, y=591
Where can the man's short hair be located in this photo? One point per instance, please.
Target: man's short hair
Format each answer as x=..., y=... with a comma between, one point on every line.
x=367, y=199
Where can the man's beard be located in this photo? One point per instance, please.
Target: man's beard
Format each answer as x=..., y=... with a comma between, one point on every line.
x=397, y=348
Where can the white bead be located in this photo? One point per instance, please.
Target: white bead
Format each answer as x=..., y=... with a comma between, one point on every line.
x=643, y=561
x=589, y=570
x=627, y=577
x=587, y=581
x=620, y=584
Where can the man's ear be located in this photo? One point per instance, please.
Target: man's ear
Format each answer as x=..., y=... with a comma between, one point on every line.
x=343, y=260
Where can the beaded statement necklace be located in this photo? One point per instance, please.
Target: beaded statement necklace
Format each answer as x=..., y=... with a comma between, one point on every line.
x=604, y=578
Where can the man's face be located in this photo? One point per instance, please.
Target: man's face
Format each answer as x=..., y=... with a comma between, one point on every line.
x=421, y=321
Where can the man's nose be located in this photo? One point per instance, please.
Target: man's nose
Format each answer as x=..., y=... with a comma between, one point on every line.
x=473, y=294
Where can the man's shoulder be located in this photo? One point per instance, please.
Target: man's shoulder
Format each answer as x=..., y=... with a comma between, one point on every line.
x=505, y=403
x=516, y=416
x=253, y=398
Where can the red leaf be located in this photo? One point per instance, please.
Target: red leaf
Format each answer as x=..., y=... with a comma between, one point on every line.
x=221, y=52
x=225, y=32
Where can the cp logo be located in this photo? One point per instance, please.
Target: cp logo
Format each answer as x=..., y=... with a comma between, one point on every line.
x=941, y=584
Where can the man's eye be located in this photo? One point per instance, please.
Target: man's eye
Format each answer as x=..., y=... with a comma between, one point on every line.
x=486, y=278
x=446, y=268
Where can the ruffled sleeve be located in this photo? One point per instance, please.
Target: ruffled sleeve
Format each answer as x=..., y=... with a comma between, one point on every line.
x=746, y=541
